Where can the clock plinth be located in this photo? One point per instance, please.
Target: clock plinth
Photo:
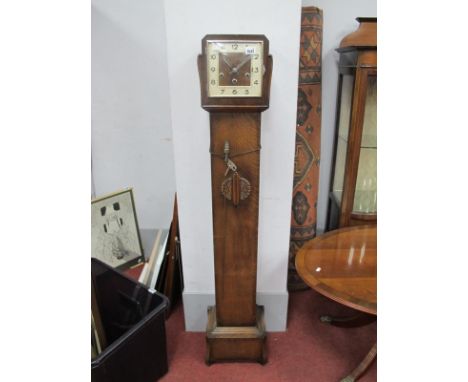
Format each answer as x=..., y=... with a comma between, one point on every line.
x=236, y=329
x=235, y=343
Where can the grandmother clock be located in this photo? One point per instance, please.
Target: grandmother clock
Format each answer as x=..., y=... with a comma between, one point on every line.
x=235, y=74
x=353, y=196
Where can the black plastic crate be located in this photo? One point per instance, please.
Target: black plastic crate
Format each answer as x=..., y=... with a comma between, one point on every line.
x=133, y=320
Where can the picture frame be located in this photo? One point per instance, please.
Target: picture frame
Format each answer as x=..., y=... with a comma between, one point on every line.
x=115, y=235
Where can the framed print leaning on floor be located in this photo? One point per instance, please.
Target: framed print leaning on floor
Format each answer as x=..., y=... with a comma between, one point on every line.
x=115, y=236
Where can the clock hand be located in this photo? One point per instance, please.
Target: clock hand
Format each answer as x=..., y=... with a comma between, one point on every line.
x=226, y=61
x=243, y=62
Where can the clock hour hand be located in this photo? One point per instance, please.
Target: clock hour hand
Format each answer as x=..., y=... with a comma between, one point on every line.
x=226, y=61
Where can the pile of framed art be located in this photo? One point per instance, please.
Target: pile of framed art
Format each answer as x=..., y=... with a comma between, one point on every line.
x=116, y=241
x=115, y=236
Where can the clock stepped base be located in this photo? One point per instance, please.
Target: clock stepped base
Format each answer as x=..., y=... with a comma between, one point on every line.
x=235, y=343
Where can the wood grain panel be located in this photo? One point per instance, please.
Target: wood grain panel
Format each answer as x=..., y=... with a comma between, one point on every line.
x=235, y=228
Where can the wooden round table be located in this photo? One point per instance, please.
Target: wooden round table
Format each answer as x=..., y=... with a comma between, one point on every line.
x=342, y=265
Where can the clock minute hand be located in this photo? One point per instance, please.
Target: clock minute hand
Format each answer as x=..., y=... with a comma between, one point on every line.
x=243, y=62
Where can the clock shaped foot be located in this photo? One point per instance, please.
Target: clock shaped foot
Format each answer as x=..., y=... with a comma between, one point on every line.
x=235, y=343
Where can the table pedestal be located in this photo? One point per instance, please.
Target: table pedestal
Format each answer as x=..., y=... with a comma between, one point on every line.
x=363, y=366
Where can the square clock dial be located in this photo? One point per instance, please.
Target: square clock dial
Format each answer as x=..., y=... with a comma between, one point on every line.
x=235, y=68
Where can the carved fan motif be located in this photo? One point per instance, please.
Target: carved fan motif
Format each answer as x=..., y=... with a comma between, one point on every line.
x=227, y=187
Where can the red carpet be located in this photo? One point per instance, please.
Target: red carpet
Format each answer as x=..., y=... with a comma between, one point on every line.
x=308, y=351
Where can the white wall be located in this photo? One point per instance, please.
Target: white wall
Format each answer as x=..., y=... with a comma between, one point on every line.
x=338, y=21
x=131, y=126
x=187, y=23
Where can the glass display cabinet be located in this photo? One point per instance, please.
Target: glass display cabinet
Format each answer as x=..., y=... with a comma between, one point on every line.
x=353, y=196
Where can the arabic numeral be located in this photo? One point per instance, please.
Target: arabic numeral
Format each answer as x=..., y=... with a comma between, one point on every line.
x=213, y=82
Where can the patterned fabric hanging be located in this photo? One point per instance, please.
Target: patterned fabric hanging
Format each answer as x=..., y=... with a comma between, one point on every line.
x=307, y=157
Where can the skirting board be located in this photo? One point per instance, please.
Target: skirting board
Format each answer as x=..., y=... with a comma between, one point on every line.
x=196, y=308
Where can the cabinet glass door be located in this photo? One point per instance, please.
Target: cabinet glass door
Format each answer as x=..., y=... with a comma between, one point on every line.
x=365, y=196
x=347, y=85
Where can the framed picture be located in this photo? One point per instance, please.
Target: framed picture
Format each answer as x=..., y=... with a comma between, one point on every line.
x=115, y=236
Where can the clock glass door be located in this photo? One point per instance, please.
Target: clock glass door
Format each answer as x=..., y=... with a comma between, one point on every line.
x=234, y=68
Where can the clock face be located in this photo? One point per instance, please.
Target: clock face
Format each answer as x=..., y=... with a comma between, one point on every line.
x=235, y=68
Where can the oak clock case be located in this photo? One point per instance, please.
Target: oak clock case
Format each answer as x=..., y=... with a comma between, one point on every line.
x=235, y=73
x=353, y=196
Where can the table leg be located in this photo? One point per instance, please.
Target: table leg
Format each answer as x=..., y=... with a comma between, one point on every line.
x=359, y=319
x=363, y=366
